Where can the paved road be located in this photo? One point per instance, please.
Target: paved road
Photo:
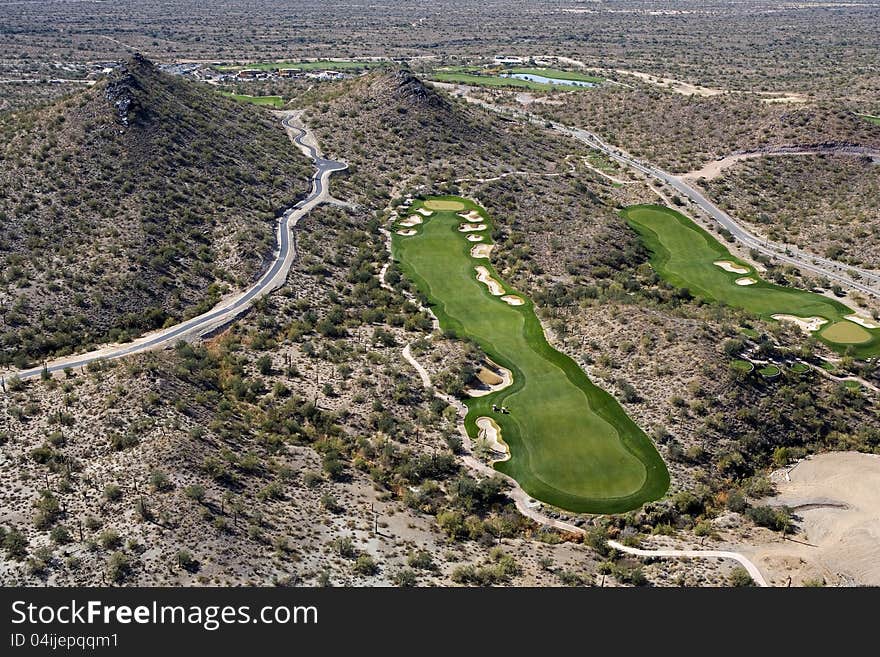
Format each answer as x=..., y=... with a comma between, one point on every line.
x=744, y=561
x=228, y=309
x=867, y=281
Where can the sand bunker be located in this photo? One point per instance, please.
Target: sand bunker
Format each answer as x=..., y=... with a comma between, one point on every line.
x=475, y=238
x=513, y=300
x=863, y=321
x=491, y=433
x=485, y=277
x=473, y=215
x=732, y=267
x=412, y=220
x=424, y=212
x=444, y=206
x=493, y=377
x=746, y=280
x=808, y=324
x=835, y=497
x=407, y=232
x=481, y=250
x=469, y=228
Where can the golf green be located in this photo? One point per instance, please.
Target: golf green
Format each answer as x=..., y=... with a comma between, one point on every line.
x=571, y=443
x=685, y=255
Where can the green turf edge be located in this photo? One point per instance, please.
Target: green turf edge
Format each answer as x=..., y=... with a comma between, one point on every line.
x=272, y=101
x=603, y=404
x=660, y=256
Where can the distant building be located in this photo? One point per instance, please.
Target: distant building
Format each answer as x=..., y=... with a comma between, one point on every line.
x=508, y=59
x=288, y=72
x=248, y=73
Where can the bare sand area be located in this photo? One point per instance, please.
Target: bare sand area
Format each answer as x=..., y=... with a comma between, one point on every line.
x=469, y=228
x=732, y=267
x=491, y=433
x=412, y=220
x=746, y=280
x=407, y=232
x=867, y=322
x=472, y=215
x=425, y=212
x=836, y=497
x=475, y=238
x=492, y=378
x=485, y=277
x=808, y=324
x=513, y=300
x=481, y=250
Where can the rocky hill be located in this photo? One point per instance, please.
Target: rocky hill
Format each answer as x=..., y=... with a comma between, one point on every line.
x=131, y=204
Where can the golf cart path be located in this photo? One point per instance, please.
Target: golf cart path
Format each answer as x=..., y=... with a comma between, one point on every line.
x=744, y=561
x=233, y=306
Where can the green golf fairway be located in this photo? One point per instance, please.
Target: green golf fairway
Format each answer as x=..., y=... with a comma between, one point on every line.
x=571, y=443
x=684, y=255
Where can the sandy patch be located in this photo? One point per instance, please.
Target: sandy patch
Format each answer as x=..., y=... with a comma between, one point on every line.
x=491, y=433
x=513, y=300
x=746, y=280
x=412, y=220
x=808, y=324
x=493, y=377
x=473, y=215
x=424, y=212
x=835, y=496
x=678, y=86
x=732, y=267
x=485, y=277
x=867, y=322
x=468, y=228
x=481, y=250
x=475, y=238
x=407, y=232
x=787, y=99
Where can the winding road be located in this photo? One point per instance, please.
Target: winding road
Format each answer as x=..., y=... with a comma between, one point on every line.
x=227, y=309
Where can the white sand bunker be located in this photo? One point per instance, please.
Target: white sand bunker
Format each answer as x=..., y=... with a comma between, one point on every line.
x=808, y=324
x=513, y=300
x=867, y=322
x=425, y=212
x=469, y=228
x=407, y=232
x=746, y=280
x=473, y=215
x=481, y=250
x=732, y=267
x=485, y=277
x=475, y=238
x=412, y=220
x=493, y=378
x=491, y=433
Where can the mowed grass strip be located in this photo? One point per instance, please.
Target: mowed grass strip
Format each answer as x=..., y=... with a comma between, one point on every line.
x=684, y=255
x=271, y=101
x=571, y=443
